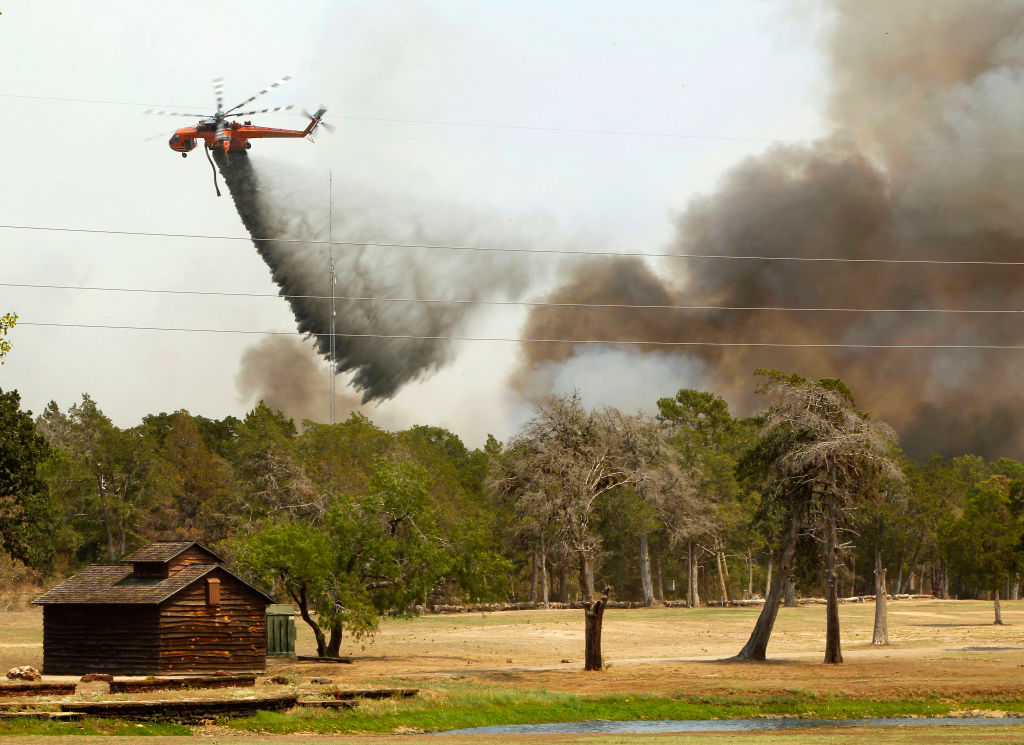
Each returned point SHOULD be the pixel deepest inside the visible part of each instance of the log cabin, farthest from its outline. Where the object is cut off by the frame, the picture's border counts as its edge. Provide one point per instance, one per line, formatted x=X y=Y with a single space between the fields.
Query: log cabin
x=170 y=607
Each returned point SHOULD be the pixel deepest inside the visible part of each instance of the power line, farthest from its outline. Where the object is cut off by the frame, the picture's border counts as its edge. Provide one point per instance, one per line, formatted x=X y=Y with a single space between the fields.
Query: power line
x=562 y=130
x=91 y=100
x=629 y=342
x=520 y=303
x=505 y=249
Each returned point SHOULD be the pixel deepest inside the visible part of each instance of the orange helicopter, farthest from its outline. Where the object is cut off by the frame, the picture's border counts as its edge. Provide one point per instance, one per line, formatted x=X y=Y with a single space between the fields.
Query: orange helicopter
x=219 y=131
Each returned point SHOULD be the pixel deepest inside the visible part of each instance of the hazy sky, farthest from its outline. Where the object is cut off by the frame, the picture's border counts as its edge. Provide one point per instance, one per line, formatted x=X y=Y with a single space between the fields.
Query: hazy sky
x=732 y=74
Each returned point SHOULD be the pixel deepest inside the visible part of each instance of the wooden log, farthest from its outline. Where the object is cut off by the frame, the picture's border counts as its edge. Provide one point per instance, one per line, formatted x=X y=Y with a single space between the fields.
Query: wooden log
x=191 y=681
x=185 y=711
x=37 y=688
x=329 y=703
x=58 y=716
x=348 y=694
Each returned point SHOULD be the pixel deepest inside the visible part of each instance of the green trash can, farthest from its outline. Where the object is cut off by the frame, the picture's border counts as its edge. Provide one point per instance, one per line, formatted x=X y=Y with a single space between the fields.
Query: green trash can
x=281 y=630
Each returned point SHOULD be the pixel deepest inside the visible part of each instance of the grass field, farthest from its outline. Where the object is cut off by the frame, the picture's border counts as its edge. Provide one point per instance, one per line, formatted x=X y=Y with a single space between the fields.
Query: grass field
x=476 y=669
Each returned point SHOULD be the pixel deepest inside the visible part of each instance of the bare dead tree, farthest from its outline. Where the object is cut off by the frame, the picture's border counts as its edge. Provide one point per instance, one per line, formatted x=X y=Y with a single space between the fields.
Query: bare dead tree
x=817 y=458
x=558 y=468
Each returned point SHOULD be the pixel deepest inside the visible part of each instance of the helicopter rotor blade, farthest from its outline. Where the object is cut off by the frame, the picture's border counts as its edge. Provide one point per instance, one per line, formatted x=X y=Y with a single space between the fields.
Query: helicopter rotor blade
x=253 y=97
x=218 y=92
x=164 y=112
x=274 y=110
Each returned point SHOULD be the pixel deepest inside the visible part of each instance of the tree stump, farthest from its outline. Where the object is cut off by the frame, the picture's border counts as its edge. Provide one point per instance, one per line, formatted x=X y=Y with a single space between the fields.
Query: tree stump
x=594 y=615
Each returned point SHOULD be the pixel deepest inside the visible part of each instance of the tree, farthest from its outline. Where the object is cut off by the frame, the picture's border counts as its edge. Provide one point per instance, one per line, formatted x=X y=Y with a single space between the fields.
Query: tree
x=25 y=514
x=101 y=476
x=983 y=545
x=562 y=463
x=198 y=485
x=380 y=552
x=270 y=471
x=7 y=322
x=709 y=442
x=815 y=460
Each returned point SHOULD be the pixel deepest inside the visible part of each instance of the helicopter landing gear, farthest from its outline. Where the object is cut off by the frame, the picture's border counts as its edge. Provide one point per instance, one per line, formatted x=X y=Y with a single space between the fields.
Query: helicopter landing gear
x=184 y=155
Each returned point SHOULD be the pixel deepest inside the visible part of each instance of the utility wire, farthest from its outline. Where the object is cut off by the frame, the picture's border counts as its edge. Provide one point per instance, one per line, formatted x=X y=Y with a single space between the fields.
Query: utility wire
x=563 y=130
x=503 y=249
x=630 y=342
x=521 y=303
x=92 y=100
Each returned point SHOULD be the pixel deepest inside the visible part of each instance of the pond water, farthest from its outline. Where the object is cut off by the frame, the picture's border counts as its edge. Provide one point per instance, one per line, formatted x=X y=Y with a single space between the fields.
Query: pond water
x=724 y=725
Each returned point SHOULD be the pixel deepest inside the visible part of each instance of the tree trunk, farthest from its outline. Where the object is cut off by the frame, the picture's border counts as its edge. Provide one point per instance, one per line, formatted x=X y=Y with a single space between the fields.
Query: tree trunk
x=768 y=576
x=586 y=577
x=659 y=586
x=911 y=565
x=111 y=549
x=646 y=582
x=719 y=561
x=899 y=573
x=334 y=644
x=535 y=576
x=881 y=634
x=303 y=603
x=594 y=617
x=1015 y=588
x=833 y=650
x=999 y=615
x=945 y=582
x=692 y=592
x=545 y=585
x=757 y=644
x=790 y=600
x=563 y=586
x=750 y=575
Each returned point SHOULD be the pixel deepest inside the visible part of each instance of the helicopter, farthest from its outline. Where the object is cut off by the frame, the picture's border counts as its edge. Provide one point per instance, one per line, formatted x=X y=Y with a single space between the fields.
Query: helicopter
x=222 y=131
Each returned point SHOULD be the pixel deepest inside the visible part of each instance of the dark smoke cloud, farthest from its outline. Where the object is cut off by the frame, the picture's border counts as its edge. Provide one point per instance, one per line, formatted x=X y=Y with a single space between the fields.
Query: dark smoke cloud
x=286 y=374
x=925 y=103
x=276 y=202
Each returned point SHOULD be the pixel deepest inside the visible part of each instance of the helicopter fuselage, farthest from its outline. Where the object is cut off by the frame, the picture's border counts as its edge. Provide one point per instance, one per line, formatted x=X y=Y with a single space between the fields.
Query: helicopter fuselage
x=231 y=136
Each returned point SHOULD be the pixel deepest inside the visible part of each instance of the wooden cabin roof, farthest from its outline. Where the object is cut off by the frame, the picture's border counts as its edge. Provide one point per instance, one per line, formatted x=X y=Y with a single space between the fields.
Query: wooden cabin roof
x=115 y=585
x=163 y=551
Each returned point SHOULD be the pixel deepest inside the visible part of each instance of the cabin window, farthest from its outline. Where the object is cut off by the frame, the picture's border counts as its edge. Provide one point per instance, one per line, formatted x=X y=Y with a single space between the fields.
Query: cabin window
x=213 y=592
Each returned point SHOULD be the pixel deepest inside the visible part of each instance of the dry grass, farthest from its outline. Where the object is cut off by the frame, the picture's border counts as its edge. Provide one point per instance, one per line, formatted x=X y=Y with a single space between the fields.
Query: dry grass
x=948 y=649
x=938 y=647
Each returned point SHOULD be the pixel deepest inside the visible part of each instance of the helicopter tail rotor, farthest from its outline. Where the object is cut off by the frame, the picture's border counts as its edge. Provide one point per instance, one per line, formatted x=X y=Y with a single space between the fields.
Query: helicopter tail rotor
x=316 y=120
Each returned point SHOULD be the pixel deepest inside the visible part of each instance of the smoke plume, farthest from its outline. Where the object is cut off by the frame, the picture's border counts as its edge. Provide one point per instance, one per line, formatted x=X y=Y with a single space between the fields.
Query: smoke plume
x=381 y=345
x=284 y=373
x=926 y=108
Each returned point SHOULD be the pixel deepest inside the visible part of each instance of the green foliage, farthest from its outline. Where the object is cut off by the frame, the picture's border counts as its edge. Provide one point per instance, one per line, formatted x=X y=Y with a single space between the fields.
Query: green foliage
x=379 y=552
x=25 y=512
x=7 y=322
x=983 y=544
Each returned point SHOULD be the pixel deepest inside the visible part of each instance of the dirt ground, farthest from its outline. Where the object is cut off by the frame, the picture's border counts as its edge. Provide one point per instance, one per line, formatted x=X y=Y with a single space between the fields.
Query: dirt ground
x=938 y=648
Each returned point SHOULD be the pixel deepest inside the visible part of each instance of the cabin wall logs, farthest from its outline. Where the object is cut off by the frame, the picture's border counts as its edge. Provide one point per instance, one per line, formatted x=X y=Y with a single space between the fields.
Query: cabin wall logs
x=197 y=636
x=117 y=639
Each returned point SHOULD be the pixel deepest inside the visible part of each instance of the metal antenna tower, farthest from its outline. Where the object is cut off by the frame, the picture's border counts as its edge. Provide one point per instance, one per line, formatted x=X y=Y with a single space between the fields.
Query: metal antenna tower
x=334 y=280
